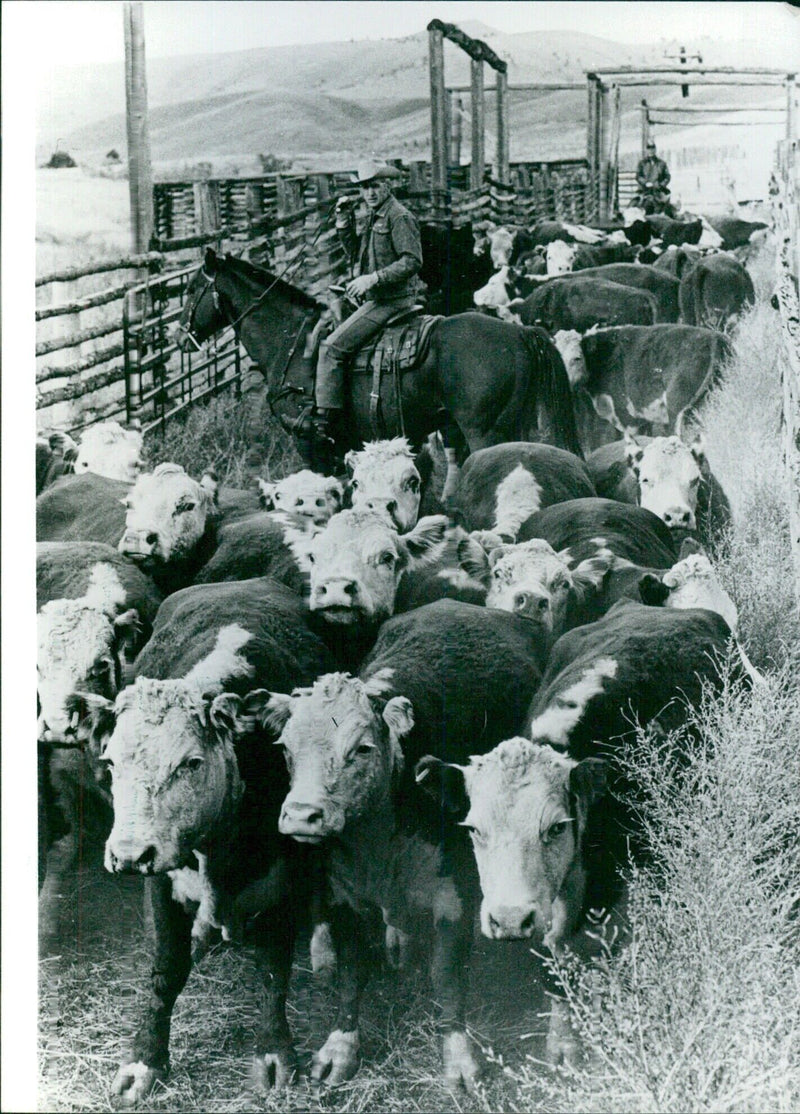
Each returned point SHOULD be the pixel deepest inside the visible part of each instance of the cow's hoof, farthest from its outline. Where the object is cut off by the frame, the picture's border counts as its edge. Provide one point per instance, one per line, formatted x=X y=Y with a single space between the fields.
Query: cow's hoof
x=323 y=953
x=561 y=1047
x=133 y=1082
x=398 y=947
x=463 y=1064
x=337 y=1060
x=274 y=1070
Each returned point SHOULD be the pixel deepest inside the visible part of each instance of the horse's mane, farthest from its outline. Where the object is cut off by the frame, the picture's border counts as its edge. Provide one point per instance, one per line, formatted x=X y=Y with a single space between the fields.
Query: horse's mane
x=262 y=277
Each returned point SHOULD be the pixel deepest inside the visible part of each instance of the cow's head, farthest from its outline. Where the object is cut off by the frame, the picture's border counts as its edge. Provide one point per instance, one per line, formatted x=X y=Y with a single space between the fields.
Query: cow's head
x=385 y=478
x=501 y=245
x=109 y=450
x=669 y=474
x=497 y=292
x=532 y=580
x=174 y=777
x=568 y=343
x=560 y=257
x=169 y=515
x=83 y=644
x=692 y=582
x=342 y=741
x=305 y=495
x=525 y=807
x=357 y=561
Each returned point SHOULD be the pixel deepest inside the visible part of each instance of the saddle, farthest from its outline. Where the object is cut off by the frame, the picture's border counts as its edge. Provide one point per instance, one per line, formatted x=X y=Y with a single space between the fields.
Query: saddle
x=401 y=346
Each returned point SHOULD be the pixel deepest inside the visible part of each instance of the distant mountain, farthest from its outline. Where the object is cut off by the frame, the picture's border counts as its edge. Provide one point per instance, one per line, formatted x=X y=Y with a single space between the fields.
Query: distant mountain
x=334 y=99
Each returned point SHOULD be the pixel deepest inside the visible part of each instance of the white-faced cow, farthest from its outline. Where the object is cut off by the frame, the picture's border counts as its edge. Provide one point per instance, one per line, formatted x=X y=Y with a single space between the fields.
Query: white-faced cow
x=95 y=612
x=715 y=291
x=501 y=486
x=563 y=258
x=643 y=378
x=544 y=847
x=196 y=787
x=440 y=680
x=385 y=477
x=109 y=450
x=669 y=478
x=303 y=495
x=577 y=302
x=531 y=580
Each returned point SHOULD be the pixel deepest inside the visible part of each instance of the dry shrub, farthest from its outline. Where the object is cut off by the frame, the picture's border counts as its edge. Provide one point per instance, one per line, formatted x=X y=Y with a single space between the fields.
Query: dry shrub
x=699 y=1012
x=236 y=436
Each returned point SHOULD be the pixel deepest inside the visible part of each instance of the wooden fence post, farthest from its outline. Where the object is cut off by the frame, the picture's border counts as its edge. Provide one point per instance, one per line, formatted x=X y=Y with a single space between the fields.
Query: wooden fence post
x=206 y=206
x=791 y=94
x=501 y=168
x=478 y=164
x=140 y=172
x=602 y=131
x=438 y=123
x=455 y=115
x=645 y=125
x=613 y=162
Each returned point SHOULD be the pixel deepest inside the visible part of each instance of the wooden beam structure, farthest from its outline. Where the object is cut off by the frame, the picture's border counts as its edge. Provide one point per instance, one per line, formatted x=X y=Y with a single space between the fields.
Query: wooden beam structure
x=502 y=169
x=140 y=171
x=478 y=162
x=791 y=106
x=438 y=109
x=526 y=87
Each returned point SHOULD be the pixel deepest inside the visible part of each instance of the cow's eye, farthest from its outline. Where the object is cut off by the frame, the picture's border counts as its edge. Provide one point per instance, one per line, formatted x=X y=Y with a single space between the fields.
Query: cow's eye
x=412 y=483
x=354 y=484
x=311 y=558
x=100 y=669
x=387 y=558
x=184 y=506
x=319 y=502
x=694 y=482
x=644 y=481
x=362 y=750
x=555 y=830
x=277 y=496
x=476 y=833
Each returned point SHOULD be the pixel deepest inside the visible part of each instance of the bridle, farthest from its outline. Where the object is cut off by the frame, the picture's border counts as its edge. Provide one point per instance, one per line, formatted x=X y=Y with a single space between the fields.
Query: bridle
x=210 y=283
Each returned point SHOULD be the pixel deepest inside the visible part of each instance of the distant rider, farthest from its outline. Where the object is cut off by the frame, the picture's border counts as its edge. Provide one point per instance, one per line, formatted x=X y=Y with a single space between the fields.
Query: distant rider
x=385 y=263
x=652 y=175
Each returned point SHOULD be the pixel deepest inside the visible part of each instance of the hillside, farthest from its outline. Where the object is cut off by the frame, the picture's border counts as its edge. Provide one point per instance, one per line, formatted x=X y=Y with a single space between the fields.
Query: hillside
x=335 y=99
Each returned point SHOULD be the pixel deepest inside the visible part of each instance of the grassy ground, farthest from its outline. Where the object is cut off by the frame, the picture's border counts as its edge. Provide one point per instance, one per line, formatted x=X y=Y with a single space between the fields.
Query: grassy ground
x=700 y=1013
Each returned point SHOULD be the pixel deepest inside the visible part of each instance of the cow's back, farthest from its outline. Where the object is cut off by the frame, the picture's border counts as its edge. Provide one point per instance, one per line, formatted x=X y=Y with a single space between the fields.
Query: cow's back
x=582 y=303
x=250 y=547
x=590 y=526
x=281 y=649
x=664 y=287
x=82 y=508
x=64 y=570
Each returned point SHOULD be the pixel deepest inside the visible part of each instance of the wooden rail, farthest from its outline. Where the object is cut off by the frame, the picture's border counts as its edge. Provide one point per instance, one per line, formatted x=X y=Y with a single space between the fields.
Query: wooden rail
x=786 y=209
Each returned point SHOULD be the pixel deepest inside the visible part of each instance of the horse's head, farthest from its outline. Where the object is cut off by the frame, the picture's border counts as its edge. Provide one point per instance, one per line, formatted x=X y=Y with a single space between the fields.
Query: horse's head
x=202 y=314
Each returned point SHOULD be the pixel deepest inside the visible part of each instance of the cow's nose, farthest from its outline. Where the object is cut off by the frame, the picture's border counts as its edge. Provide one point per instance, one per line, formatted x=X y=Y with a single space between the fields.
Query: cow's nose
x=511 y=923
x=138 y=543
x=347 y=587
x=530 y=604
x=130 y=857
x=679 y=518
x=302 y=819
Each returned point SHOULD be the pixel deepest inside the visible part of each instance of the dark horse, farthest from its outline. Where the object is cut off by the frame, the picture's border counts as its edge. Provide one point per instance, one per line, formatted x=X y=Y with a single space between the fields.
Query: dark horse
x=482 y=381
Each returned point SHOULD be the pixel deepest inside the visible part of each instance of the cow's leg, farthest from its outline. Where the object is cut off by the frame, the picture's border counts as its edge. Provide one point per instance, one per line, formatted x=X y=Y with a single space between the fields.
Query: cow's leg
x=450 y=977
x=323 y=953
x=276 y=1060
x=172 y=928
x=337 y=1060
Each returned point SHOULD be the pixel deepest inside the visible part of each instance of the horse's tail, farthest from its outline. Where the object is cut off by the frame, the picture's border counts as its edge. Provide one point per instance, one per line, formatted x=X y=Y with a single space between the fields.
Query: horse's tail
x=552 y=392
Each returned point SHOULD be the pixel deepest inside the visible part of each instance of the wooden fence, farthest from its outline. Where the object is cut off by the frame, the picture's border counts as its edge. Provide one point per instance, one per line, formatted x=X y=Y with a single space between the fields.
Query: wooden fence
x=102 y=348
x=786 y=209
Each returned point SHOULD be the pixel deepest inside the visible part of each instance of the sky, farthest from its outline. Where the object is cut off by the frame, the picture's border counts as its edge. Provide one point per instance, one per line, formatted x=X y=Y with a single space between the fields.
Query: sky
x=90 y=31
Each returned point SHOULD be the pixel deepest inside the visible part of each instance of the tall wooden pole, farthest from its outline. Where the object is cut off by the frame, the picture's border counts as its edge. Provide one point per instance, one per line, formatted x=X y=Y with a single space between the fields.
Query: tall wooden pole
x=602 y=131
x=478 y=131
x=791 y=96
x=502 y=171
x=438 y=113
x=455 y=120
x=645 y=122
x=140 y=171
x=613 y=162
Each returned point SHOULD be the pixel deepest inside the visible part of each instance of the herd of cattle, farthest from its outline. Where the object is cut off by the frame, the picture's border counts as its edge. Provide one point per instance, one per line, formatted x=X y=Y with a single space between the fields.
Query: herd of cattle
x=449 y=692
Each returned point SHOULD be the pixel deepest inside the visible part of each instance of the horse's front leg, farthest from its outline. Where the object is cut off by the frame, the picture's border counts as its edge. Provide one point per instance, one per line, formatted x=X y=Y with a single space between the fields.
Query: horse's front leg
x=171 y=928
x=337 y=1060
x=455 y=451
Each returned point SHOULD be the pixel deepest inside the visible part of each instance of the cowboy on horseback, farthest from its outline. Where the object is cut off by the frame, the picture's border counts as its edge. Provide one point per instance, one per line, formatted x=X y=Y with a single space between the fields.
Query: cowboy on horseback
x=385 y=260
x=652 y=177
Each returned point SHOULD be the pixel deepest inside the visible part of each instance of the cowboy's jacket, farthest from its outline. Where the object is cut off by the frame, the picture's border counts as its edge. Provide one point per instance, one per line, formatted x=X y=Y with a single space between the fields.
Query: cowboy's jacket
x=389 y=246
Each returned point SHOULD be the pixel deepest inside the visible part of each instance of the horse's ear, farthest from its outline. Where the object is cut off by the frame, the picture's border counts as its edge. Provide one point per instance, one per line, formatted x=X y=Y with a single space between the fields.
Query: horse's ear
x=210 y=261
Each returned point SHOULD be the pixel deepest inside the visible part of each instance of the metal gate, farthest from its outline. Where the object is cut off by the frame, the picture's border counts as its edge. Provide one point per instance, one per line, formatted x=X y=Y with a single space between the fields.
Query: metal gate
x=161 y=380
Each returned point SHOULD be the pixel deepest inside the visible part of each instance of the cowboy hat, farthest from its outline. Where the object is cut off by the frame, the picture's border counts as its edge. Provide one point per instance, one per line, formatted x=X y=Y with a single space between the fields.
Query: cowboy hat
x=369 y=171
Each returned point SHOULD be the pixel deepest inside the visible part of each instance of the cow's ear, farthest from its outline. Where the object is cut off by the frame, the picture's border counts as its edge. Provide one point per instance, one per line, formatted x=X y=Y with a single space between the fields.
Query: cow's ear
x=266 y=494
x=445 y=783
x=398 y=715
x=425 y=542
x=633 y=451
x=224 y=712
x=473 y=559
x=334 y=489
x=276 y=711
x=592 y=572
x=210 y=484
x=652 y=590
x=239 y=715
x=96 y=719
x=127 y=632
x=689 y=547
x=350 y=461
x=588 y=781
